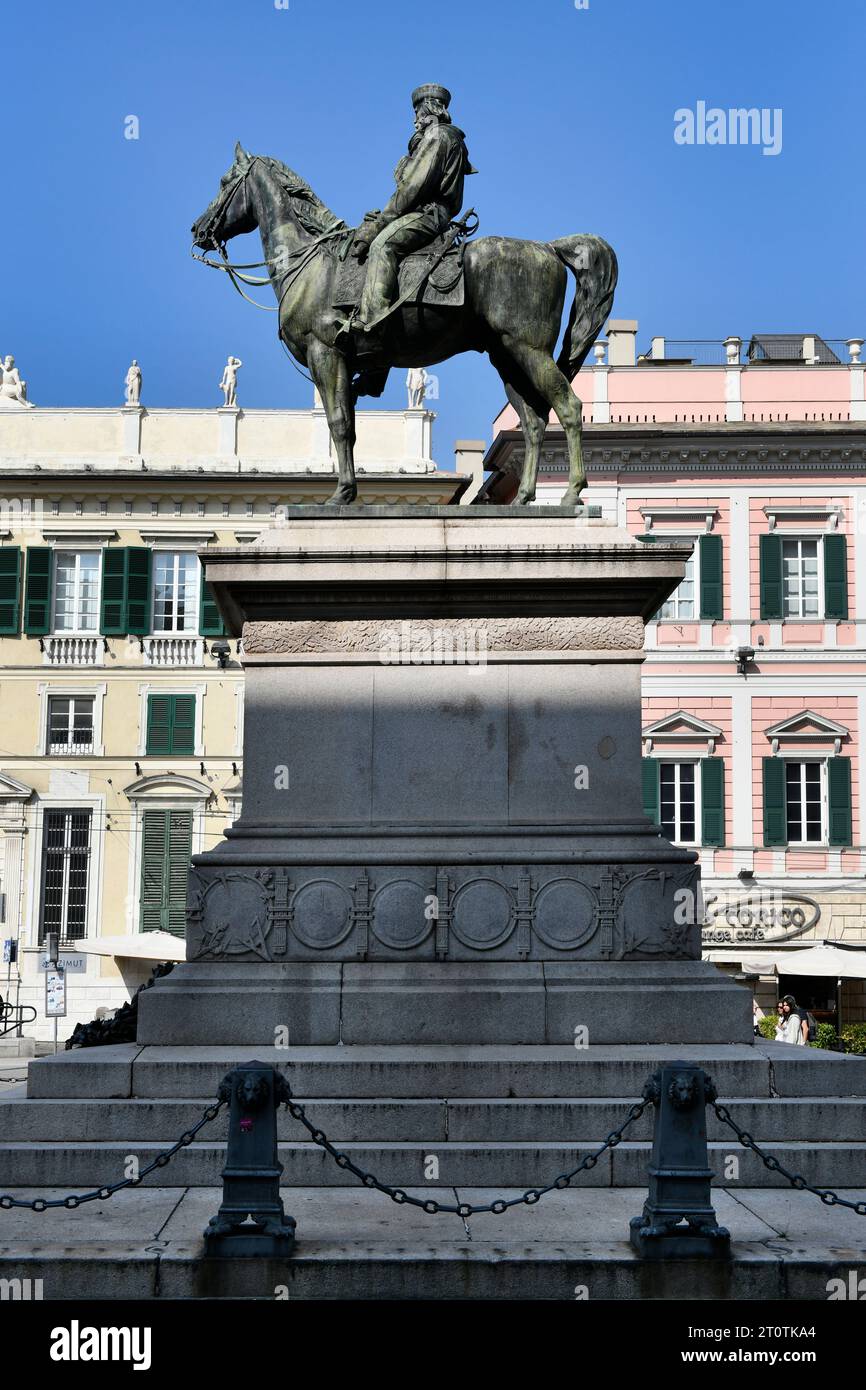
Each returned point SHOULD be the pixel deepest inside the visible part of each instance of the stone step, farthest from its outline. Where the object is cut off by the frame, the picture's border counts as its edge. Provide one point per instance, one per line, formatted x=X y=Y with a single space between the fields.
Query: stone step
x=356 y=1244
x=81 y=1166
x=434 y=1120
x=130 y=1070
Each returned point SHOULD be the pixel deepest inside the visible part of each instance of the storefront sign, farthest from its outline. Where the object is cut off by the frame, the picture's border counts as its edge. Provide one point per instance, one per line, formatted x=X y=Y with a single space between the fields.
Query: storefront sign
x=757 y=918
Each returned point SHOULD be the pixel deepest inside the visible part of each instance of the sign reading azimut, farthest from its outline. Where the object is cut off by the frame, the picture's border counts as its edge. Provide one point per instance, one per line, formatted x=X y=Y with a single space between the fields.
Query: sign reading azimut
x=760 y=916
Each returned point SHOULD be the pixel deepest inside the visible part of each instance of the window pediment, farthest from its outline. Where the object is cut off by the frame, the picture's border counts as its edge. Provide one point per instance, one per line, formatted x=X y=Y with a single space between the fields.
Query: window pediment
x=681 y=727
x=807 y=727
x=168 y=784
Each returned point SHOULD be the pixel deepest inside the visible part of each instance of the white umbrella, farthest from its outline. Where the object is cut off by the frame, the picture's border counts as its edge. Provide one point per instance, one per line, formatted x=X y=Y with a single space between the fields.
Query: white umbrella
x=824 y=959
x=146 y=945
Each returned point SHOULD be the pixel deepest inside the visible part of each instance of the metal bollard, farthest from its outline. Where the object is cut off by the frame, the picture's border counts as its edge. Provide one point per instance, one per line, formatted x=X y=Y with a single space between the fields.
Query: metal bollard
x=251 y=1220
x=678 y=1220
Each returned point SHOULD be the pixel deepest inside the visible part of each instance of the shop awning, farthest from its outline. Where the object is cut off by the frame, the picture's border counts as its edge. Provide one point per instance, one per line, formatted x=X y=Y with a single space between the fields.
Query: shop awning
x=146 y=945
x=826 y=959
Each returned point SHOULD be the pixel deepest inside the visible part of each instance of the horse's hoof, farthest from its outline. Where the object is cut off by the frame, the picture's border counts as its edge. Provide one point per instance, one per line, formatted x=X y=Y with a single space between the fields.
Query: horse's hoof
x=571 y=497
x=343 y=497
x=523 y=499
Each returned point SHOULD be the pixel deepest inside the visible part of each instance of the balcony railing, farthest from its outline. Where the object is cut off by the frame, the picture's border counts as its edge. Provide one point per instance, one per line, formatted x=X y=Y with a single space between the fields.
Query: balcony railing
x=70 y=750
x=72 y=651
x=173 y=649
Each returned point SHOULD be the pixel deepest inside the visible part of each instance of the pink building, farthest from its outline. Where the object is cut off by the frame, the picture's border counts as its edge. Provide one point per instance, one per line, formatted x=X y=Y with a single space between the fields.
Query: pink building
x=755 y=677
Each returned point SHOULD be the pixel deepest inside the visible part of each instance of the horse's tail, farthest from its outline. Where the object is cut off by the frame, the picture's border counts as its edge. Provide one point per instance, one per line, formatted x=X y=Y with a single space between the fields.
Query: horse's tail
x=593 y=264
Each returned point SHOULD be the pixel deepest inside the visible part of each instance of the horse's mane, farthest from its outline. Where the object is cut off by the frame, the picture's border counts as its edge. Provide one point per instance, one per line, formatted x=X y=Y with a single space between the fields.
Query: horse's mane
x=309 y=209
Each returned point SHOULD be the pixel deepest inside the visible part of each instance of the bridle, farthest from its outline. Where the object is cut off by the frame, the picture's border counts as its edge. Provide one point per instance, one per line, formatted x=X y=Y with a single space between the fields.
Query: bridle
x=304 y=254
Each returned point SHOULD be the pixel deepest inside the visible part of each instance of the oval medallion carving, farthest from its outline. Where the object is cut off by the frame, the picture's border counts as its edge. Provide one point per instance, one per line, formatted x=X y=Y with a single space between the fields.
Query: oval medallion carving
x=565 y=914
x=399 y=919
x=322 y=914
x=482 y=914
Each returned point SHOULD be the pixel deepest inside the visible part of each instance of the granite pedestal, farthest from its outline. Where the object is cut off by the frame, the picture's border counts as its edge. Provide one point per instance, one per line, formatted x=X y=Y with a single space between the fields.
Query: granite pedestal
x=442 y=837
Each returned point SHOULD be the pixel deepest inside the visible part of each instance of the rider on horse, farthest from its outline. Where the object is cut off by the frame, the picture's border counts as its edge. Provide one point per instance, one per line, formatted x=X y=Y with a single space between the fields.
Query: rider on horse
x=429 y=195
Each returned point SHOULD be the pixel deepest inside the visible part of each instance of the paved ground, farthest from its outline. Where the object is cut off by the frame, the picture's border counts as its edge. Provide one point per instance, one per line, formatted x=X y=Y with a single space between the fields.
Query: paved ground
x=358 y=1244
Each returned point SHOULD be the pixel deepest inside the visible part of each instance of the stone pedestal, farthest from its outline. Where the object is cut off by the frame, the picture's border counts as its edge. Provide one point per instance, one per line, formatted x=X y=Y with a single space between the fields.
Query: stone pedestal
x=442 y=837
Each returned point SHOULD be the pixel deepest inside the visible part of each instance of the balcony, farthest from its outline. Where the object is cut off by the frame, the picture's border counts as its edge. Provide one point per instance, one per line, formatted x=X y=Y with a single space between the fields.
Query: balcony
x=66 y=650
x=173 y=650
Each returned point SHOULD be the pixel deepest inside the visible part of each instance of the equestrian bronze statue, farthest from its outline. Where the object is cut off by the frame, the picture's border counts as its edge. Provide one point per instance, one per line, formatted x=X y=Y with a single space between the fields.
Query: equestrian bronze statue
x=408 y=289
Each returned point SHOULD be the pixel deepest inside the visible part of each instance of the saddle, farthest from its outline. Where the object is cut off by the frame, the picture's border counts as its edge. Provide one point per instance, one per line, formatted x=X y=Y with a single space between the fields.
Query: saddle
x=443 y=288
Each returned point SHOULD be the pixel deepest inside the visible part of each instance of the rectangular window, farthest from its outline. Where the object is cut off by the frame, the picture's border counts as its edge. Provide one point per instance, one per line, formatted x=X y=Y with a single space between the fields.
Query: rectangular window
x=681 y=604
x=76 y=591
x=175 y=591
x=65 y=859
x=804 y=803
x=800 y=579
x=677 y=802
x=170 y=724
x=70 y=724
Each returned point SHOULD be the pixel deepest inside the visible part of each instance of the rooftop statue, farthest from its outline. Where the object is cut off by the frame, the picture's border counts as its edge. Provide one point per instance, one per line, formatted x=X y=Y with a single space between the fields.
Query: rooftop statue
x=13 y=391
x=408 y=288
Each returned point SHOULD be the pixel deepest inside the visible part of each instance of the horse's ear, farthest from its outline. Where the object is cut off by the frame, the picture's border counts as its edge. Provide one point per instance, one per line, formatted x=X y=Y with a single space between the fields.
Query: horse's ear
x=241 y=155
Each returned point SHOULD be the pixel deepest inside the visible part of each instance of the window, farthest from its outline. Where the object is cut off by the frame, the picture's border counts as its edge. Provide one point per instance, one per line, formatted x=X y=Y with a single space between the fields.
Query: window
x=76 y=591
x=804 y=802
x=175 y=591
x=800 y=579
x=165 y=858
x=681 y=603
x=65 y=857
x=170 y=724
x=70 y=724
x=677 y=801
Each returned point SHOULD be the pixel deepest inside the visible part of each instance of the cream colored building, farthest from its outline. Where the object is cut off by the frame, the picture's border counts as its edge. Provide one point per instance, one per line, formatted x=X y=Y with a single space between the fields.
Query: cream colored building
x=121 y=702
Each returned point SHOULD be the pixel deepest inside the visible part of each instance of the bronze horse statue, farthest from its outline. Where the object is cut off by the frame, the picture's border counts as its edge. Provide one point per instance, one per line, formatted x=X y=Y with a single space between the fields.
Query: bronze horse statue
x=512 y=310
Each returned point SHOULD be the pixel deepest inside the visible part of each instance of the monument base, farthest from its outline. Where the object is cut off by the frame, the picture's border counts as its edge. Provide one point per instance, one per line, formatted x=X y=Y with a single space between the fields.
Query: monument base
x=582 y=1003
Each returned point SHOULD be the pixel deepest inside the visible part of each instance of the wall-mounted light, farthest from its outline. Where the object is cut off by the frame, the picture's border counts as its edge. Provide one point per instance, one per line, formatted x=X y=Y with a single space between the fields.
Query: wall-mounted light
x=744 y=658
x=221 y=650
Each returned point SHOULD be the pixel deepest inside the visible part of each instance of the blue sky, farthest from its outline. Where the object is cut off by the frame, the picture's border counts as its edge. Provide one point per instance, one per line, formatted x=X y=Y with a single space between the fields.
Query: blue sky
x=569 y=116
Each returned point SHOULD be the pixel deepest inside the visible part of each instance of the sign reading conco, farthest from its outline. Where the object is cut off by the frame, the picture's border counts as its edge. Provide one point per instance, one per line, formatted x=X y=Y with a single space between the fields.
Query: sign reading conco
x=758 y=917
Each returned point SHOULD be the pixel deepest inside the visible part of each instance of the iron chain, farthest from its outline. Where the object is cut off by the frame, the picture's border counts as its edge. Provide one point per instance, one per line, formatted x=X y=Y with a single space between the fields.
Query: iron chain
x=775 y=1165
x=501 y=1204
x=102 y=1194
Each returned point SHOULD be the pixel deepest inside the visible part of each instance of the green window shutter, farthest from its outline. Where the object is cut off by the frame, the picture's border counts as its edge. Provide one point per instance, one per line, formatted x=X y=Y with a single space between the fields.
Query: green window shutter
x=713 y=801
x=10 y=590
x=835 y=577
x=839 y=800
x=37 y=590
x=183 y=724
x=650 y=788
x=210 y=623
x=710 y=565
x=775 y=816
x=153 y=857
x=177 y=871
x=770 y=553
x=112 y=621
x=166 y=852
x=137 y=597
x=160 y=718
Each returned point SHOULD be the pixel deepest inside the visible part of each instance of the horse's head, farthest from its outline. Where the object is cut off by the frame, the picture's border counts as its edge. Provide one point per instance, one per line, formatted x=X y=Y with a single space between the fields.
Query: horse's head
x=230 y=213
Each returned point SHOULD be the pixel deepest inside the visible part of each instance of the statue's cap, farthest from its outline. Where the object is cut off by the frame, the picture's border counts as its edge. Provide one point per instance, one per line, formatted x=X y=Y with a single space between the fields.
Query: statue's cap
x=432 y=89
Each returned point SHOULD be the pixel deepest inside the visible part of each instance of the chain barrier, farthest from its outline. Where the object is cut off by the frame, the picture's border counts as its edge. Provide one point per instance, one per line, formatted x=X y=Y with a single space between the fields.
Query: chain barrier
x=501 y=1204
x=775 y=1165
x=103 y=1193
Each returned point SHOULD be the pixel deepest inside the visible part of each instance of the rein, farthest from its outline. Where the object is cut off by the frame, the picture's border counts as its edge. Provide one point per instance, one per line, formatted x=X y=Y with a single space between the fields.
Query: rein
x=304 y=254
